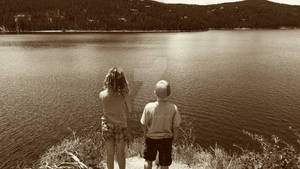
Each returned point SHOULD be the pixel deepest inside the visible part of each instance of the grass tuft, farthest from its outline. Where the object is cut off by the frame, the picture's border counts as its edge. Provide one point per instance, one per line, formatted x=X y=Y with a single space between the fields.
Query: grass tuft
x=76 y=151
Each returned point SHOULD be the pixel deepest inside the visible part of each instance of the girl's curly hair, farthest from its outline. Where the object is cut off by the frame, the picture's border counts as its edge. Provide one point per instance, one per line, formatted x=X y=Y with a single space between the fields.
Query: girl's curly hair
x=115 y=80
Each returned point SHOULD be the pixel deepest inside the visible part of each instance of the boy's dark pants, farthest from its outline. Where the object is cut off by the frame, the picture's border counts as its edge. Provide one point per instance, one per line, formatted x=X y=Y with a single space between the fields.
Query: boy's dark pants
x=163 y=146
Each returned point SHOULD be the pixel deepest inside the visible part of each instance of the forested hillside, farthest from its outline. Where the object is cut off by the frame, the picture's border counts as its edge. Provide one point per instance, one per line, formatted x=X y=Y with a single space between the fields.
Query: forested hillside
x=142 y=15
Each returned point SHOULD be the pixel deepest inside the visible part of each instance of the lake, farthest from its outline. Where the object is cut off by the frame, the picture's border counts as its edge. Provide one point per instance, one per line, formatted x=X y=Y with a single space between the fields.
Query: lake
x=224 y=81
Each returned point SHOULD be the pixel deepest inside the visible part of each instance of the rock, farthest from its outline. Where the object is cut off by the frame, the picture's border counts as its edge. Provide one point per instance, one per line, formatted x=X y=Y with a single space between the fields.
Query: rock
x=138 y=163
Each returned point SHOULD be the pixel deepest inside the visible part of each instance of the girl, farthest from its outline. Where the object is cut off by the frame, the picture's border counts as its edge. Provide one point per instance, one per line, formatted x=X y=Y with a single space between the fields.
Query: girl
x=116 y=104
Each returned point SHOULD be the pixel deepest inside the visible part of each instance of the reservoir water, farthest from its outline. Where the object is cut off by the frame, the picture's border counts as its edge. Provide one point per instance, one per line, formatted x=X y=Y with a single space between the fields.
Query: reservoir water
x=225 y=81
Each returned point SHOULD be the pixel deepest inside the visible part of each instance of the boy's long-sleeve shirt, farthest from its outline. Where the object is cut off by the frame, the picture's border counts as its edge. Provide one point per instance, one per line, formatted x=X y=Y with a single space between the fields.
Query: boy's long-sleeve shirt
x=160 y=119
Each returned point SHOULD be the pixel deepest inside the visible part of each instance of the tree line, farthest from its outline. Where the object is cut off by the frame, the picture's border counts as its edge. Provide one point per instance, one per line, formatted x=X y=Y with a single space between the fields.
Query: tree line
x=143 y=15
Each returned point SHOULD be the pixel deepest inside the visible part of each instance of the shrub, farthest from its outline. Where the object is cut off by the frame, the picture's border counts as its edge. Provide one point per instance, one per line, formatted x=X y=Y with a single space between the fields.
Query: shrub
x=81 y=152
x=275 y=154
x=188 y=152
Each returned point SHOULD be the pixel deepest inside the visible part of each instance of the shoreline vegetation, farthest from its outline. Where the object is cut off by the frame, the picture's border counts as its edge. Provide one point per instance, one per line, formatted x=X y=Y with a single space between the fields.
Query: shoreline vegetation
x=142 y=16
x=88 y=152
x=138 y=31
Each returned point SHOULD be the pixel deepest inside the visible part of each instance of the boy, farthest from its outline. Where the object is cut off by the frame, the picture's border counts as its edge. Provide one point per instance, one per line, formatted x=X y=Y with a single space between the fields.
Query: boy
x=161 y=121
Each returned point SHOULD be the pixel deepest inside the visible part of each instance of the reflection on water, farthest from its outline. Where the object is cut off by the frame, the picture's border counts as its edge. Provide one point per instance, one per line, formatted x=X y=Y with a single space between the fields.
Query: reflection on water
x=226 y=81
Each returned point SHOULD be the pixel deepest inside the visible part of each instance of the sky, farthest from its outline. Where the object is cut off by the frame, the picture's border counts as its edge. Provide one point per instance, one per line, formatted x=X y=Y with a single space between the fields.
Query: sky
x=207 y=2
x=290 y=2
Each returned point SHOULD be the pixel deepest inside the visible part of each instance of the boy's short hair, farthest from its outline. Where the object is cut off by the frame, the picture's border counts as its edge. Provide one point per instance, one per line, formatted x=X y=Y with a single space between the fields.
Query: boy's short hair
x=162 y=89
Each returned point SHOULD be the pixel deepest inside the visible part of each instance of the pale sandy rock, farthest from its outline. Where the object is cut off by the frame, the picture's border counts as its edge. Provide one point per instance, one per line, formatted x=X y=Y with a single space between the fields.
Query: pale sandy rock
x=138 y=163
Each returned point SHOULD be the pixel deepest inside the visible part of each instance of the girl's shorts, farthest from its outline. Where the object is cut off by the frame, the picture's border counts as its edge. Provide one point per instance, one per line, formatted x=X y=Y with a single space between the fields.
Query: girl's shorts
x=114 y=132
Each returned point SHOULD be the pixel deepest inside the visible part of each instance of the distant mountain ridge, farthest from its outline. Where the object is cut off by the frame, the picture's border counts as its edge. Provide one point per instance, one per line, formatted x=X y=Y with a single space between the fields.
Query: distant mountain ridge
x=143 y=15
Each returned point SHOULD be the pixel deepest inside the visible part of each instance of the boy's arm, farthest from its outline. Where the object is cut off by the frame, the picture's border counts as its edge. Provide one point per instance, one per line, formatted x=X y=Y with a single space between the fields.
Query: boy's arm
x=145 y=129
x=175 y=134
x=100 y=95
x=176 y=124
x=144 y=121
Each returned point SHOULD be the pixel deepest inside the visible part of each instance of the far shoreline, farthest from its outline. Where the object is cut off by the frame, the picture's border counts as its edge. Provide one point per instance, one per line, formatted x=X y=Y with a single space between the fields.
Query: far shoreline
x=98 y=31
x=141 y=31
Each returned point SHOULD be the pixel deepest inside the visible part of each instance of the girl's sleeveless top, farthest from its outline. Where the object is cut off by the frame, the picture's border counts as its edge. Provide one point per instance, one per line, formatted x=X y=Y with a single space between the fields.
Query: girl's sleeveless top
x=114 y=108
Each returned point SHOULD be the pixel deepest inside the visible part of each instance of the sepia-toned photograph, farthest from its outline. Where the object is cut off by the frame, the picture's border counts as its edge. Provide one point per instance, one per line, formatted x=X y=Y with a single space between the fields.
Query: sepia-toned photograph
x=149 y=84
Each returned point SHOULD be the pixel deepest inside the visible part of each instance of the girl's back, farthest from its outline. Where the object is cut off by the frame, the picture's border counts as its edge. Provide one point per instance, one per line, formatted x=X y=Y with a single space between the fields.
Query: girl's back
x=114 y=107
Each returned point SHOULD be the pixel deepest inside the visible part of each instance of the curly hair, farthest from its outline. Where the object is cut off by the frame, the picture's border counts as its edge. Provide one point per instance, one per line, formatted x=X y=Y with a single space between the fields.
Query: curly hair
x=115 y=80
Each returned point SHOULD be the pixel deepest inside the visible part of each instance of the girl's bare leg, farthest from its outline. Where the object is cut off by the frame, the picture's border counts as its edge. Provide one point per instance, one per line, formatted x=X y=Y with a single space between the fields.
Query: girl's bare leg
x=110 y=149
x=121 y=154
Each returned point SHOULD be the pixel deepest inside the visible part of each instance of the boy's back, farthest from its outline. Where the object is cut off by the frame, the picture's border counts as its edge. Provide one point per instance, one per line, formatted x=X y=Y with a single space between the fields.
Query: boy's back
x=160 y=118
